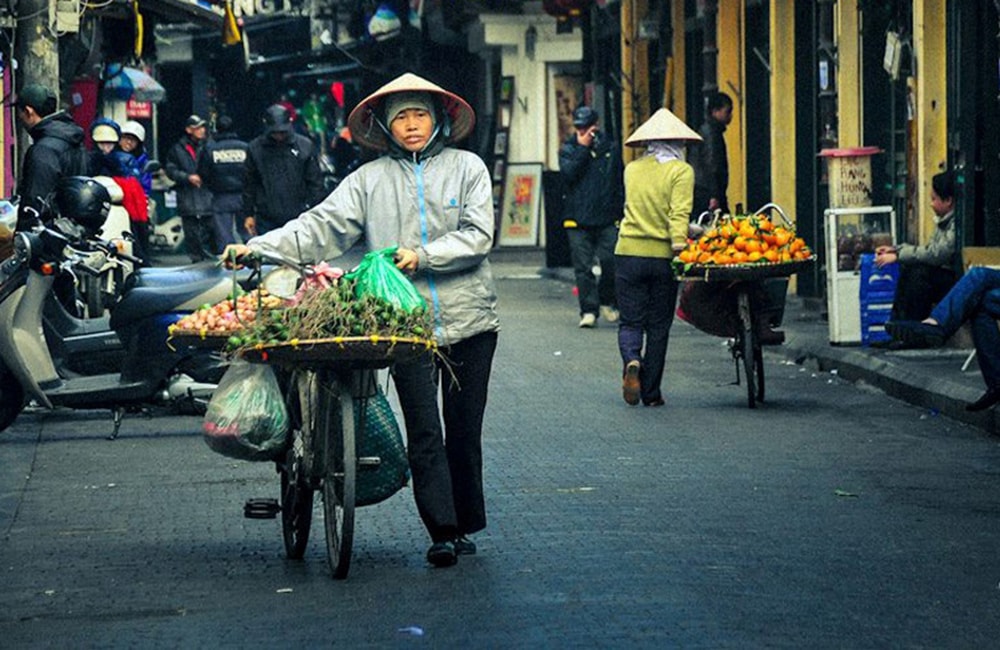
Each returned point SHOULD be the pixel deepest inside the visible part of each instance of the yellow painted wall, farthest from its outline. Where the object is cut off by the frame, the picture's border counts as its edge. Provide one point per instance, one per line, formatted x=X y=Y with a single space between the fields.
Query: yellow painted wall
x=849 y=115
x=929 y=39
x=782 y=92
x=730 y=39
x=634 y=52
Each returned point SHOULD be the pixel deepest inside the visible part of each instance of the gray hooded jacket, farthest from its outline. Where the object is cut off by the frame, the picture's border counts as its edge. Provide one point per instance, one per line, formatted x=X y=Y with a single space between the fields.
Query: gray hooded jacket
x=440 y=206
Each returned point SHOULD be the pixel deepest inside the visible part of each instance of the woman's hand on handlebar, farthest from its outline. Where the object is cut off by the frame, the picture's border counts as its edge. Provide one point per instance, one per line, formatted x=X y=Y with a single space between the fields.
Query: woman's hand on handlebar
x=234 y=255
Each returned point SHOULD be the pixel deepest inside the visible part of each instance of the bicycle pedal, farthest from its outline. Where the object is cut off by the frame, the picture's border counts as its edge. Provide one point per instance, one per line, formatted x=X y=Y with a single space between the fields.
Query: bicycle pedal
x=261 y=508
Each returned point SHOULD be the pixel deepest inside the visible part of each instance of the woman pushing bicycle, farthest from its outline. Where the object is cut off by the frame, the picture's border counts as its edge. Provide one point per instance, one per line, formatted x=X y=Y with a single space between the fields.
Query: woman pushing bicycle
x=434 y=203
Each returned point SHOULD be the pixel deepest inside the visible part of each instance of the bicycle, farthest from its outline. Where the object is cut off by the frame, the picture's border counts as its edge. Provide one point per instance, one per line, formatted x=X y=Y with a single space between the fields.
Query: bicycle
x=327 y=384
x=741 y=292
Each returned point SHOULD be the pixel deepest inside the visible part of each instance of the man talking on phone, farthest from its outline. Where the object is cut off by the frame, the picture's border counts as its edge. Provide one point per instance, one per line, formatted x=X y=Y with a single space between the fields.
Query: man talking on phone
x=591 y=169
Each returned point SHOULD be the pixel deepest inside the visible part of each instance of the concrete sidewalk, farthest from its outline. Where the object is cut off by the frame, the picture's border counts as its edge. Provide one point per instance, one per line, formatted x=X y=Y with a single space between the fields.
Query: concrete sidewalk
x=933 y=378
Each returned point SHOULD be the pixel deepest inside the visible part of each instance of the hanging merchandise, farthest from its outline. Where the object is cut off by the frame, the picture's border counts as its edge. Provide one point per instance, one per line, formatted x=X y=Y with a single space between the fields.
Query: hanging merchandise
x=139 y=30
x=384 y=24
x=231 y=32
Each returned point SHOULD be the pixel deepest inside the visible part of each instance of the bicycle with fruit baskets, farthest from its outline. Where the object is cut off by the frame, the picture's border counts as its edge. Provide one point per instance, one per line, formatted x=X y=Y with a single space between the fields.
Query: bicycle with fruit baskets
x=327 y=382
x=744 y=278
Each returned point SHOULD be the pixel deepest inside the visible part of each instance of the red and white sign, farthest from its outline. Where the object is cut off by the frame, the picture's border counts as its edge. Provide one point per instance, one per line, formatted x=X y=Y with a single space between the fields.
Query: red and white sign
x=138 y=110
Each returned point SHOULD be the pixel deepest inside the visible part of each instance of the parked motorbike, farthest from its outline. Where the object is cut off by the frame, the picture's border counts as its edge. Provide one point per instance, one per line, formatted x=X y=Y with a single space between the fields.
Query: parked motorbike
x=150 y=373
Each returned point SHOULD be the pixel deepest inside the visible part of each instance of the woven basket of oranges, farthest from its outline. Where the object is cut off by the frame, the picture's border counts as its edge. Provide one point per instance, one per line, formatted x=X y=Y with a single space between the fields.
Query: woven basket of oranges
x=743 y=247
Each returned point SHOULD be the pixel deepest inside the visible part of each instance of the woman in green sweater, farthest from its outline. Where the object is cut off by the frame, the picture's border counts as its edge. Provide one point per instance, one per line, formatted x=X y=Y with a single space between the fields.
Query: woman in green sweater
x=659 y=191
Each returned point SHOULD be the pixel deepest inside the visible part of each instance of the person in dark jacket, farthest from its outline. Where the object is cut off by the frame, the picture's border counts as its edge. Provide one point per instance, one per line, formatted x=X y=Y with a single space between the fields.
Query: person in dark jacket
x=591 y=168
x=56 y=151
x=221 y=168
x=283 y=177
x=709 y=157
x=194 y=201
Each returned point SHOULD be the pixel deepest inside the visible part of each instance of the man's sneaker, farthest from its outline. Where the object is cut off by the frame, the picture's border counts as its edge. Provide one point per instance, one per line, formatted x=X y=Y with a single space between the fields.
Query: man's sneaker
x=588 y=320
x=630 y=383
x=464 y=546
x=442 y=554
x=609 y=314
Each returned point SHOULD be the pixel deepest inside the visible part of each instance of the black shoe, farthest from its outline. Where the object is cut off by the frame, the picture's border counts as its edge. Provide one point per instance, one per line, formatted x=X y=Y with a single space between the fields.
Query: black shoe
x=442 y=554
x=990 y=398
x=464 y=546
x=916 y=334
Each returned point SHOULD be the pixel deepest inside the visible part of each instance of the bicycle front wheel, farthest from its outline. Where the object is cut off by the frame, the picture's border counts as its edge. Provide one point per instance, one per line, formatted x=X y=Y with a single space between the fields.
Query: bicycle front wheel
x=341 y=474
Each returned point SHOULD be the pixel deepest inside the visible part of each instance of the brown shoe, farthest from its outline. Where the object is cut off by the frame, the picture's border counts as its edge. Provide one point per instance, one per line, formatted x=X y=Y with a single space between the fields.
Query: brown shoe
x=630 y=384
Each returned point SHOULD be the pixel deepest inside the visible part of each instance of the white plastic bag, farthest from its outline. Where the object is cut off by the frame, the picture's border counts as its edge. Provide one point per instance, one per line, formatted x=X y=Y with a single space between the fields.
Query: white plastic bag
x=247 y=418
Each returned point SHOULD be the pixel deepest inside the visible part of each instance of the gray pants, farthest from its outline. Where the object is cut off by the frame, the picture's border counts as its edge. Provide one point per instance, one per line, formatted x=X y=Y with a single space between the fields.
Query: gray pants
x=585 y=245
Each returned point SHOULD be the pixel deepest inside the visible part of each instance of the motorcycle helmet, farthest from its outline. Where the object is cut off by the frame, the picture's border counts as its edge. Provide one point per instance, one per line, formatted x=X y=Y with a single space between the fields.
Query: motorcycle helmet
x=135 y=129
x=277 y=119
x=84 y=201
x=105 y=130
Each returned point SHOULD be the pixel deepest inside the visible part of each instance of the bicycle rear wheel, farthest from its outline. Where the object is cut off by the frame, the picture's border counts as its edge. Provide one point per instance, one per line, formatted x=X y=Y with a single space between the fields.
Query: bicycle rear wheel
x=749 y=349
x=758 y=359
x=341 y=474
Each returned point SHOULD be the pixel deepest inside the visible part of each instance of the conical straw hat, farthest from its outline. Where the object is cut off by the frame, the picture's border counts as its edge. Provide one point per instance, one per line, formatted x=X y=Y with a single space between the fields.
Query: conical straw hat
x=663 y=125
x=367 y=133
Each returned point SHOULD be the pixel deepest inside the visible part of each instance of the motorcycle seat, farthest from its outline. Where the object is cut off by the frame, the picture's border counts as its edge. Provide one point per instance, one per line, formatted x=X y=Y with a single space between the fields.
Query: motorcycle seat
x=161 y=292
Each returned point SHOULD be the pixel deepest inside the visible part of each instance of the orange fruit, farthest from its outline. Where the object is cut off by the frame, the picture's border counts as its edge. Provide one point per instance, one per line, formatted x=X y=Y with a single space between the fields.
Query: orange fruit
x=771 y=255
x=754 y=256
x=740 y=257
x=704 y=257
x=752 y=246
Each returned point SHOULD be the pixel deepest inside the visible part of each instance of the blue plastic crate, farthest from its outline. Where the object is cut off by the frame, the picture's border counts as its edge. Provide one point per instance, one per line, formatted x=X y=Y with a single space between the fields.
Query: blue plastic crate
x=876 y=281
x=874 y=333
x=875 y=316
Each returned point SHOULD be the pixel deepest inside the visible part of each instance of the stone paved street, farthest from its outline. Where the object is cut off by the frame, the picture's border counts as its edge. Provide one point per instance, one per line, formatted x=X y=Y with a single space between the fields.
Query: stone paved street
x=832 y=516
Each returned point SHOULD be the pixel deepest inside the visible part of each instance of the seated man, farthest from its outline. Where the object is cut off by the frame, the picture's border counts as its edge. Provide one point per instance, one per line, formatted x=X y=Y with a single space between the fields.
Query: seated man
x=976 y=298
x=927 y=272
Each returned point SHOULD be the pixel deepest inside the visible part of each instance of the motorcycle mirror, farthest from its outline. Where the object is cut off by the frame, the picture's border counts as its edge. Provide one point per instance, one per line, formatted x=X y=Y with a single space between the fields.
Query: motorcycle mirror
x=281 y=282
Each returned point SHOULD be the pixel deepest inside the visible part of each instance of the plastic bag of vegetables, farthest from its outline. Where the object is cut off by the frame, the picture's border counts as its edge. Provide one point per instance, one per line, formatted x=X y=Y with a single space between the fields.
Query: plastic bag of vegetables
x=246 y=417
x=378 y=276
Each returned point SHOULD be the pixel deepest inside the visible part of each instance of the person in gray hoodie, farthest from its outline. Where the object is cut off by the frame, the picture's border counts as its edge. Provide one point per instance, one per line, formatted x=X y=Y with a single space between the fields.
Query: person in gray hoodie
x=435 y=203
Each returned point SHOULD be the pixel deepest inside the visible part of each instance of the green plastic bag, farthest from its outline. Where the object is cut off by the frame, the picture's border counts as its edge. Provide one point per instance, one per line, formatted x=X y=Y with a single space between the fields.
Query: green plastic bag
x=378 y=276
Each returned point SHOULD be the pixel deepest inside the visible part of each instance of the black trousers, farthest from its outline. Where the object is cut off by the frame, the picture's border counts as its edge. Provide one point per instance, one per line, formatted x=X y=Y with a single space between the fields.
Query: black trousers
x=199 y=237
x=919 y=288
x=447 y=469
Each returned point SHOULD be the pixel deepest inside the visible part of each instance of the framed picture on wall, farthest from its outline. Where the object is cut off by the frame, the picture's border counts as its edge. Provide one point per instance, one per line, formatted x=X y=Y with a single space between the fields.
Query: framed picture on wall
x=504 y=116
x=522 y=200
x=506 y=90
x=500 y=143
